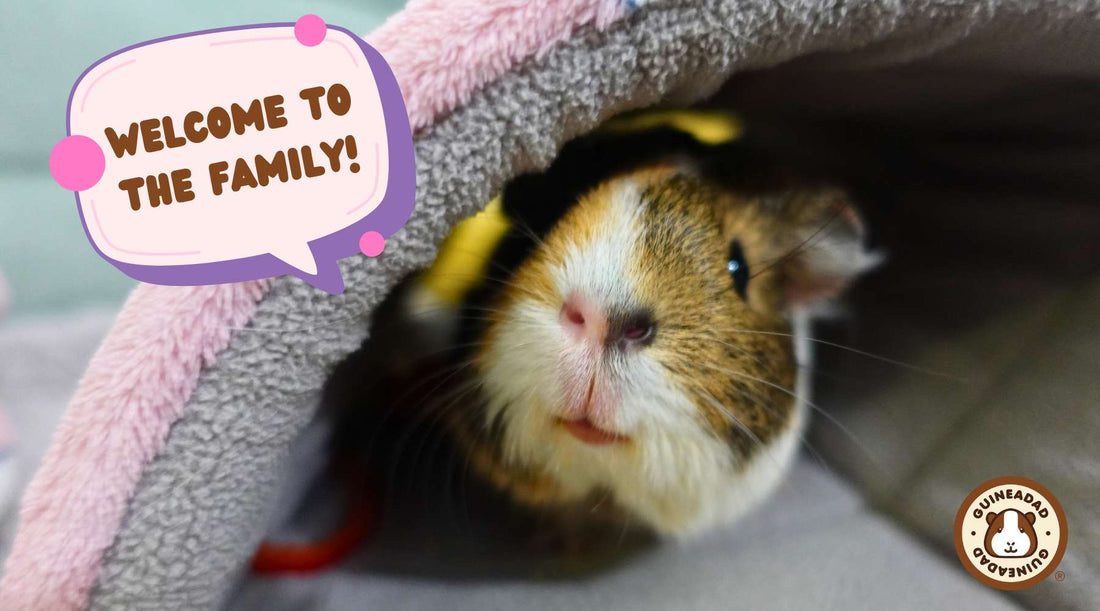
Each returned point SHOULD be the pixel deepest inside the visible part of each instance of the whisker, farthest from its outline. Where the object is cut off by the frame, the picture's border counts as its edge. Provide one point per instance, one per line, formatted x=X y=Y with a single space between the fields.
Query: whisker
x=440 y=412
x=450 y=475
x=423 y=414
x=840 y=426
x=870 y=355
x=742 y=427
x=508 y=272
x=759 y=400
x=806 y=243
x=399 y=404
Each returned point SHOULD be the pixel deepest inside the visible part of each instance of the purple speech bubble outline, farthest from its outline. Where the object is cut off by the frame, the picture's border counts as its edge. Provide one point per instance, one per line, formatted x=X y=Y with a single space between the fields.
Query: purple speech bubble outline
x=389 y=216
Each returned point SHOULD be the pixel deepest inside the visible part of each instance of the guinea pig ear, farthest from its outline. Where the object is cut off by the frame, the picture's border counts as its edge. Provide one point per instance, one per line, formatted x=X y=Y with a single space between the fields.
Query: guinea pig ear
x=990 y=517
x=828 y=250
x=1030 y=517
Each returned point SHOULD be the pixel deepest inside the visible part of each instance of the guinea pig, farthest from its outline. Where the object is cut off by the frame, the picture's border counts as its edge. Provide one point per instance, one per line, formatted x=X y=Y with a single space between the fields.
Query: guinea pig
x=637 y=341
x=1010 y=534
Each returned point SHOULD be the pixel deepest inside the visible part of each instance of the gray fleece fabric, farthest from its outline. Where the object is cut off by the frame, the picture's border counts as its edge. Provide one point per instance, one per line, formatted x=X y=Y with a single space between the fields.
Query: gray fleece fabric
x=202 y=504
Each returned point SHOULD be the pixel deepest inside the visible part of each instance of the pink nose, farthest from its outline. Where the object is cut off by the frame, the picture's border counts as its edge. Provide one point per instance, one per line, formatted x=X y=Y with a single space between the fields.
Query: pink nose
x=588 y=323
x=583 y=320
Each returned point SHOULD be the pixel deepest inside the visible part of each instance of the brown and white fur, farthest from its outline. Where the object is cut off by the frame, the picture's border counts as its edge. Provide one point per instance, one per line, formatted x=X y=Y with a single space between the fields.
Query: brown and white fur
x=618 y=361
x=703 y=423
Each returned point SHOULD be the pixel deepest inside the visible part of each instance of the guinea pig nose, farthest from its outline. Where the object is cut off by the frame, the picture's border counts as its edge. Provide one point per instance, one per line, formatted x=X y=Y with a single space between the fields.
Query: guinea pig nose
x=582 y=319
x=573 y=315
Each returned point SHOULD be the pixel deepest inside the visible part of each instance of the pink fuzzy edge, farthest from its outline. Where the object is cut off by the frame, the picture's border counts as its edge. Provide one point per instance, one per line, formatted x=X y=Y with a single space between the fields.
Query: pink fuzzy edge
x=140 y=379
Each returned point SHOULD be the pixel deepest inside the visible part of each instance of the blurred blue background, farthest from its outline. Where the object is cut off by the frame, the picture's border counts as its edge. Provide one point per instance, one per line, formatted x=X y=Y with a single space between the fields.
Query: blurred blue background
x=45 y=46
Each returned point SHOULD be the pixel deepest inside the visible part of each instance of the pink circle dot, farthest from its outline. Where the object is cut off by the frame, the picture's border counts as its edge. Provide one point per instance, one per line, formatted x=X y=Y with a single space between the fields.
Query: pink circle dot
x=372 y=243
x=309 y=30
x=77 y=163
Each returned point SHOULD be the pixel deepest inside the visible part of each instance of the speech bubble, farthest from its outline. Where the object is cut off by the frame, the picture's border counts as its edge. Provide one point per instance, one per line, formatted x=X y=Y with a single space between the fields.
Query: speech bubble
x=239 y=153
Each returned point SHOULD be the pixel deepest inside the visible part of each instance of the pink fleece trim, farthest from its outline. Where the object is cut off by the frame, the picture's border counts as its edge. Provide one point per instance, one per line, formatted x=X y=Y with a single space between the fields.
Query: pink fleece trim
x=492 y=36
x=136 y=385
x=140 y=379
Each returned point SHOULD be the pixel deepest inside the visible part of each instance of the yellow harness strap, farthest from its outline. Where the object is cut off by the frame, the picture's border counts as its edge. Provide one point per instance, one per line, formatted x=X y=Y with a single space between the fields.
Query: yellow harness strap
x=465 y=252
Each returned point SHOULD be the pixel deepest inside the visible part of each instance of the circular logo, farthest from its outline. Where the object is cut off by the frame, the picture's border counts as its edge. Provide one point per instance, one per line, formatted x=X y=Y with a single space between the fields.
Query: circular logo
x=1010 y=533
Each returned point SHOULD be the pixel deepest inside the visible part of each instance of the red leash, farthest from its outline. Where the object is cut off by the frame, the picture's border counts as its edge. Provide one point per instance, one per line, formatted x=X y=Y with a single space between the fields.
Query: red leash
x=298 y=558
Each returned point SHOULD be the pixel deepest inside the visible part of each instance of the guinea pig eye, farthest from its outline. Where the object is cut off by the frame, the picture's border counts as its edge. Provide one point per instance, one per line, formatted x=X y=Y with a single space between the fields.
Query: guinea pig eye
x=1021 y=531
x=738 y=268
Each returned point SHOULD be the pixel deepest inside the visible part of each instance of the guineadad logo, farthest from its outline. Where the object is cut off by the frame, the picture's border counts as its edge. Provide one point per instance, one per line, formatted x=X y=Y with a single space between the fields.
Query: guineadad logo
x=1010 y=533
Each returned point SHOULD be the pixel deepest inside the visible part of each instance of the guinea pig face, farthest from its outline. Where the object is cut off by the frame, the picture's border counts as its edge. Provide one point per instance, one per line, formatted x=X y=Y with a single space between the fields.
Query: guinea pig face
x=632 y=341
x=1010 y=534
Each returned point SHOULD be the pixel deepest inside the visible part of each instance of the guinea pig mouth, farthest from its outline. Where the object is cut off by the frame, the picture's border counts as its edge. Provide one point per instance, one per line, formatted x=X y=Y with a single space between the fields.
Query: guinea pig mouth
x=589 y=433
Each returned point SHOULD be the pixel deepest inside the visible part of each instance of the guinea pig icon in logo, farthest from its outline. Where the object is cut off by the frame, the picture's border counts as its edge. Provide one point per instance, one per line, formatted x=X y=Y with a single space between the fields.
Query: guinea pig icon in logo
x=1010 y=533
